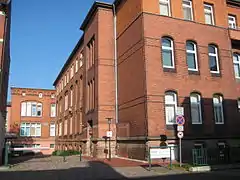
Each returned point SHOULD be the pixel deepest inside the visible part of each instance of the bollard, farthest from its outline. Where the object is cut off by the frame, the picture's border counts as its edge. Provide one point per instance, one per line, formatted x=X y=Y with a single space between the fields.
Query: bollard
x=64 y=158
x=80 y=154
x=6 y=154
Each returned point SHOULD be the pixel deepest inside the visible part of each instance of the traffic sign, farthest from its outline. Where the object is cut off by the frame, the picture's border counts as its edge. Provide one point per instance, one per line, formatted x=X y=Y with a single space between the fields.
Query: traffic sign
x=180 y=120
x=180 y=111
x=109 y=134
x=180 y=128
x=180 y=135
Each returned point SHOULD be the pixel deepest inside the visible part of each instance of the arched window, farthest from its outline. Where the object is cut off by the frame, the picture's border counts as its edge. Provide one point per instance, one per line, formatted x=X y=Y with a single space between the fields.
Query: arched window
x=167 y=53
x=236 y=64
x=218 y=109
x=196 y=110
x=33 y=109
x=213 y=59
x=170 y=107
x=191 y=49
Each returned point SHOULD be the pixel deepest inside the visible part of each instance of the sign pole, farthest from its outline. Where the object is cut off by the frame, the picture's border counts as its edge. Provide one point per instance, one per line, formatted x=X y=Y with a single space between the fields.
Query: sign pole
x=180 y=151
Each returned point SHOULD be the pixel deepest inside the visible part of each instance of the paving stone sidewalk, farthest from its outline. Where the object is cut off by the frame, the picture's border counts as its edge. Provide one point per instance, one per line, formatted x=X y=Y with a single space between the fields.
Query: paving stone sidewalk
x=54 y=168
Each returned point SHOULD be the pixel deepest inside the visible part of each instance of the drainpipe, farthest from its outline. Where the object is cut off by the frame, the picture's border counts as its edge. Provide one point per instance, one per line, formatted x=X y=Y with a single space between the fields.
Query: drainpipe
x=115 y=62
x=115 y=71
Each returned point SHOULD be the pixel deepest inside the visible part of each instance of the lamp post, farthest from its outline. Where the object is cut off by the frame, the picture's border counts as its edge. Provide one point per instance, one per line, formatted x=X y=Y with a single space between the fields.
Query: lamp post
x=109 y=121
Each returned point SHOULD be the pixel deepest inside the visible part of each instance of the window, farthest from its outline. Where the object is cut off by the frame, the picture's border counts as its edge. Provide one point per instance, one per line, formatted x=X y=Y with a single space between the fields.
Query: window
x=213 y=59
x=65 y=127
x=71 y=125
x=65 y=80
x=31 y=109
x=71 y=97
x=196 y=112
x=198 y=146
x=236 y=64
x=165 y=7
x=81 y=60
x=53 y=110
x=52 y=129
x=53 y=96
x=60 y=129
x=218 y=109
x=52 y=146
x=66 y=102
x=167 y=53
x=71 y=72
x=91 y=52
x=76 y=67
x=57 y=130
x=40 y=95
x=170 y=107
x=187 y=10
x=192 y=56
x=232 y=22
x=238 y=104
x=208 y=11
x=30 y=129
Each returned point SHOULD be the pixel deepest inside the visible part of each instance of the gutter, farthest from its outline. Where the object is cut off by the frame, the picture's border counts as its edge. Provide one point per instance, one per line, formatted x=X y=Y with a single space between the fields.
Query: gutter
x=115 y=62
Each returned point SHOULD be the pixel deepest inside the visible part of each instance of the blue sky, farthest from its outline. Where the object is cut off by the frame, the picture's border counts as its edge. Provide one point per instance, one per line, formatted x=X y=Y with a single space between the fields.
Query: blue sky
x=43 y=34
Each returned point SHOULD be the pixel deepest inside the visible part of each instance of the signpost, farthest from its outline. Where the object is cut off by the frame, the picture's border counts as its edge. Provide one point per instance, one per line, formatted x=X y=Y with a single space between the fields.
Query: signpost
x=160 y=153
x=180 y=120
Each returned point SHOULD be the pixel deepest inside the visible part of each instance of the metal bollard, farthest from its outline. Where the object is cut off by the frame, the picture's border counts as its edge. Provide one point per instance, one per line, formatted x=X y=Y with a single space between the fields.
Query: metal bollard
x=64 y=158
x=6 y=154
x=80 y=154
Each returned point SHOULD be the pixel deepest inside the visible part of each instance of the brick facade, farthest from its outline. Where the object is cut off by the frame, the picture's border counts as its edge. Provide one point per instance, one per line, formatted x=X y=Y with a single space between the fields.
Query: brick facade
x=143 y=81
x=37 y=110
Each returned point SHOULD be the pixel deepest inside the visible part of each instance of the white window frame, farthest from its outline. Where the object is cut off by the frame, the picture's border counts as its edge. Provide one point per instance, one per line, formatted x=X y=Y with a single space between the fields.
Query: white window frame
x=161 y=2
x=220 y=98
x=195 y=55
x=71 y=97
x=216 y=56
x=76 y=66
x=236 y=63
x=66 y=102
x=207 y=11
x=52 y=130
x=199 y=104
x=232 y=24
x=30 y=125
x=172 y=50
x=53 y=110
x=188 y=6
x=28 y=108
x=60 y=128
x=238 y=104
x=173 y=103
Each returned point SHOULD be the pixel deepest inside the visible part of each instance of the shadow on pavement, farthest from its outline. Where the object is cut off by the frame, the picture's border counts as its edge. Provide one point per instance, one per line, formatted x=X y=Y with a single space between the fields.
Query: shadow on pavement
x=94 y=170
x=23 y=158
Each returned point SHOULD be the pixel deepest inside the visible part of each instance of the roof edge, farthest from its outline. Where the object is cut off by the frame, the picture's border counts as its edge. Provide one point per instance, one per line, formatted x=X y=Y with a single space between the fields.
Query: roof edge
x=92 y=10
x=25 y=88
x=79 y=43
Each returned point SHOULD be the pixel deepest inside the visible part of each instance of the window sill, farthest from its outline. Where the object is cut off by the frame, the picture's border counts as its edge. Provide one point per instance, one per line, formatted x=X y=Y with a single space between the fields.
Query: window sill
x=193 y=72
x=219 y=123
x=213 y=74
x=168 y=69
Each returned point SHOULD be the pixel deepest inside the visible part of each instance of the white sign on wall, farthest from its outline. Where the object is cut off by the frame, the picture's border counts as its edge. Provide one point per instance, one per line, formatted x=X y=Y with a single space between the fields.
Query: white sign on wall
x=158 y=153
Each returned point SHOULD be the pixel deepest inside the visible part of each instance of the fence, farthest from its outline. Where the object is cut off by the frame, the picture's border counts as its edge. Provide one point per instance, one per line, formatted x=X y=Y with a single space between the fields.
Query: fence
x=213 y=156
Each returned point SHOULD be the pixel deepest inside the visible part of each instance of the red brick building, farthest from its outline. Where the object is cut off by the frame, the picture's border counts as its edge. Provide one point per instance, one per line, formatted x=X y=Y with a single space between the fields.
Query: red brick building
x=33 y=113
x=5 y=23
x=169 y=53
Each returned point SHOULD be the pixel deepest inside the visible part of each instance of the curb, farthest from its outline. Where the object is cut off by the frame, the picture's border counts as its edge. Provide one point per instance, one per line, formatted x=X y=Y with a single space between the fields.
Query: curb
x=213 y=168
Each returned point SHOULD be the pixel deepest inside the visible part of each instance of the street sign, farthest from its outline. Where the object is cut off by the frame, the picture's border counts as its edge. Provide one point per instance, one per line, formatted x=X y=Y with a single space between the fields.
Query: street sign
x=180 y=135
x=180 y=111
x=180 y=128
x=109 y=134
x=158 y=153
x=180 y=120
